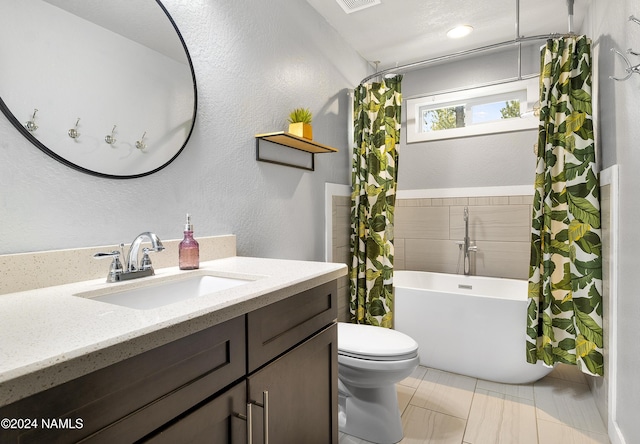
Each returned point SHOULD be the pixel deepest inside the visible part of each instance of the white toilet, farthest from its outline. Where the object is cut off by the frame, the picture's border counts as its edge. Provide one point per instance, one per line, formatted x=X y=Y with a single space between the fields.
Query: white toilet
x=371 y=360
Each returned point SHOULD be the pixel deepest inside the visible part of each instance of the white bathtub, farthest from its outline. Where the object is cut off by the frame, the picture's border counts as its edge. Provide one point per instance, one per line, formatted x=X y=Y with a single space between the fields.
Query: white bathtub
x=469 y=325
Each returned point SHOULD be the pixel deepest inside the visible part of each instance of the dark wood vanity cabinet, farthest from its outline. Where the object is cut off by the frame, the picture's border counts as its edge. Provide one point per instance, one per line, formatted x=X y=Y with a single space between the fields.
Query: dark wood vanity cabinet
x=292 y=355
x=196 y=389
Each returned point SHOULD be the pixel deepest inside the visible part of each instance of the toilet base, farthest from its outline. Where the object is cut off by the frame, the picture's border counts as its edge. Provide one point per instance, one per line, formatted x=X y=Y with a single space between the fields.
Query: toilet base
x=371 y=414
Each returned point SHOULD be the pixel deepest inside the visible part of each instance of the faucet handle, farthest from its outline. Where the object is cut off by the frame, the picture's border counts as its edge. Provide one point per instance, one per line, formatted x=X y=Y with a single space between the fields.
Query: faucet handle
x=145 y=262
x=115 y=269
x=114 y=253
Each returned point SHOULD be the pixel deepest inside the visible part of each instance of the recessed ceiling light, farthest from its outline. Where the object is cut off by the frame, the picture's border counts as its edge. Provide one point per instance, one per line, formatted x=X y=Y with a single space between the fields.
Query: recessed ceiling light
x=459 y=31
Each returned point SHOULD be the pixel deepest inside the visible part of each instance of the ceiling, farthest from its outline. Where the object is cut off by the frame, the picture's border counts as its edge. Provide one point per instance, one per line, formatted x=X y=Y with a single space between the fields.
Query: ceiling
x=397 y=32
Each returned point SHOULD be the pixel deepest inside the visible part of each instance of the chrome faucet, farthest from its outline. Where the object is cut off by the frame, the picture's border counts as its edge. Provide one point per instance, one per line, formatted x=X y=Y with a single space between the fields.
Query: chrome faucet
x=132 y=269
x=465 y=245
x=132 y=258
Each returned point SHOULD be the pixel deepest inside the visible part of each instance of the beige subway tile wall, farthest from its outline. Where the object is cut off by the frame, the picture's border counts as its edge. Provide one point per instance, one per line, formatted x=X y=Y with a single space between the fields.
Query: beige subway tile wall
x=427 y=233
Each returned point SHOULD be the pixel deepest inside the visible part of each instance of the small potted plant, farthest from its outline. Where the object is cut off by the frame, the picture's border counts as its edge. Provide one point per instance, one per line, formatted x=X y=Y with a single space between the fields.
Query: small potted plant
x=300 y=123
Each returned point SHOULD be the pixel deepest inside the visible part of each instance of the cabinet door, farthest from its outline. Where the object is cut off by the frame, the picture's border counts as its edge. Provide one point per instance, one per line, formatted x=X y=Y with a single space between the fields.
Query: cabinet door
x=303 y=393
x=214 y=422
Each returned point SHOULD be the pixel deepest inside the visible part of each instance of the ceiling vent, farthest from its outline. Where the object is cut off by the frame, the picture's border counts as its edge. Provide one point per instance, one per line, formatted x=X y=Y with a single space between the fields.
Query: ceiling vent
x=350 y=6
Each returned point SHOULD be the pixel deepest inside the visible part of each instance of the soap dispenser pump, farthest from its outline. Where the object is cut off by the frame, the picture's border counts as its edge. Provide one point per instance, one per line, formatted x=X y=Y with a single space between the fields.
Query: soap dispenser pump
x=189 y=250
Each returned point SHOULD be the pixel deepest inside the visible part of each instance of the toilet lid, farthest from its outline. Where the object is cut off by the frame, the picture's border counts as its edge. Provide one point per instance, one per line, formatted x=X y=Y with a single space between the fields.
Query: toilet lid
x=374 y=343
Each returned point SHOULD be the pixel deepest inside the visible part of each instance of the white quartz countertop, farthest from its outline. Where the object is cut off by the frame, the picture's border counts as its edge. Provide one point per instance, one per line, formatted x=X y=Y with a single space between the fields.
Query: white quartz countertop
x=50 y=336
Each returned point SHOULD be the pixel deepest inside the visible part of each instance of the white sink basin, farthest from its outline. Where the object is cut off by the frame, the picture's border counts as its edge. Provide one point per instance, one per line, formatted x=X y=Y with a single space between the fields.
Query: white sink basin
x=158 y=294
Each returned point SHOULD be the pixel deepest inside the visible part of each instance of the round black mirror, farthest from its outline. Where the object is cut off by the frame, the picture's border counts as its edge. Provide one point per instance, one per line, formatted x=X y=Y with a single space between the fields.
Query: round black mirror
x=105 y=87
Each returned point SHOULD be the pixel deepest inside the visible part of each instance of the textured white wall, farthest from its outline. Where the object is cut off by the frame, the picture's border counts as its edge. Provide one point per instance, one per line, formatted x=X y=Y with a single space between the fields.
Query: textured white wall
x=479 y=161
x=254 y=62
x=619 y=133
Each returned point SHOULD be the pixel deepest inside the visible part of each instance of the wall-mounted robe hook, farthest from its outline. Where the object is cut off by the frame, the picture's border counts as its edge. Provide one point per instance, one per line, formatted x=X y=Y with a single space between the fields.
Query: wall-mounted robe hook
x=73 y=132
x=30 y=125
x=110 y=138
x=630 y=69
x=140 y=143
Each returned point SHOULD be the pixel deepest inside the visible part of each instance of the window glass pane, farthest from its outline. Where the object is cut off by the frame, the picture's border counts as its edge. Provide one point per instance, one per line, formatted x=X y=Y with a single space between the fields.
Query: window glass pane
x=490 y=112
x=436 y=119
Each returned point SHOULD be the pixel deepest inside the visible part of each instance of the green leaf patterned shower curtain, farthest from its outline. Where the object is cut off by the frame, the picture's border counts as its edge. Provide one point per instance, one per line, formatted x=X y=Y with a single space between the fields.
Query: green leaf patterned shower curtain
x=374 y=175
x=565 y=277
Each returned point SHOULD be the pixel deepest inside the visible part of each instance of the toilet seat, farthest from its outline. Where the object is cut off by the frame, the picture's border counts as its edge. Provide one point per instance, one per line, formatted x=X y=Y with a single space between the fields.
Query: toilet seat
x=374 y=343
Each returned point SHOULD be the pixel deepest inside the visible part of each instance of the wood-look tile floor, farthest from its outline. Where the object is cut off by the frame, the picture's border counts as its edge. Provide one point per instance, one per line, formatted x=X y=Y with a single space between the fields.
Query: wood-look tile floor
x=444 y=408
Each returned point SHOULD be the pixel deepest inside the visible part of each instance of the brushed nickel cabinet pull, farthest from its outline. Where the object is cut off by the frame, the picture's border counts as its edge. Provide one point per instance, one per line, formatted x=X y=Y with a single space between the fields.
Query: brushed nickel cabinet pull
x=265 y=415
x=265 y=418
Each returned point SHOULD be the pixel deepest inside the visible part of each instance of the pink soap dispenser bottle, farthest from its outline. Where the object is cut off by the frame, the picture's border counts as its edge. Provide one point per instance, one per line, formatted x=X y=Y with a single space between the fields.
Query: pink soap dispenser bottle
x=189 y=250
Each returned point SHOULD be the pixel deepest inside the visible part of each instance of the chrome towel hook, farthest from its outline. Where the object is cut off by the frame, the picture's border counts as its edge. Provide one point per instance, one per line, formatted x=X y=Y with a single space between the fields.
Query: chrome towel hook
x=140 y=143
x=630 y=69
x=110 y=138
x=31 y=124
x=73 y=132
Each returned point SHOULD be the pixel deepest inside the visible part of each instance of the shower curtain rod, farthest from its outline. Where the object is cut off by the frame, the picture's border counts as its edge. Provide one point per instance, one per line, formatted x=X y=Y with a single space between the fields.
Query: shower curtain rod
x=517 y=41
x=414 y=65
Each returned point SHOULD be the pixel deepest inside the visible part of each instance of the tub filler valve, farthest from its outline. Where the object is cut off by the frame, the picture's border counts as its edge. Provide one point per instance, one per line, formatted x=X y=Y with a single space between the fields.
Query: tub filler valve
x=465 y=246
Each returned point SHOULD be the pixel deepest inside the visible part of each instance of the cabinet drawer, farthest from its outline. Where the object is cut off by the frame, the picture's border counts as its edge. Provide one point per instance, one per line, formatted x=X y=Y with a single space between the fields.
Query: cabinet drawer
x=132 y=398
x=276 y=328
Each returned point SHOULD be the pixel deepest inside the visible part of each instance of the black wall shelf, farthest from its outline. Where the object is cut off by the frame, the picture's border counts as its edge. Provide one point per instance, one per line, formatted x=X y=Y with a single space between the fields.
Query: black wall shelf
x=291 y=141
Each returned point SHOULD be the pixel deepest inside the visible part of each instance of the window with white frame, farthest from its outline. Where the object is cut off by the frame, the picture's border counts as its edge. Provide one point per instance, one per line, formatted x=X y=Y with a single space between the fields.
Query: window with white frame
x=484 y=110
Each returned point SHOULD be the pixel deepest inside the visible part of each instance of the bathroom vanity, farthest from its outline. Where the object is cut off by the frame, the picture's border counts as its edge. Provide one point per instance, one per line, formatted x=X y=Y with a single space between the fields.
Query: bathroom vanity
x=265 y=364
